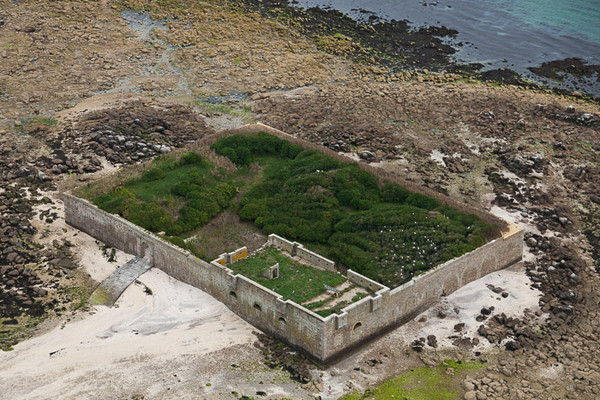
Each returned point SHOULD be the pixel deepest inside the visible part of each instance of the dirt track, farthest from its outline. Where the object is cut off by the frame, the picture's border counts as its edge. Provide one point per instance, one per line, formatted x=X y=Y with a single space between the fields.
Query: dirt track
x=73 y=78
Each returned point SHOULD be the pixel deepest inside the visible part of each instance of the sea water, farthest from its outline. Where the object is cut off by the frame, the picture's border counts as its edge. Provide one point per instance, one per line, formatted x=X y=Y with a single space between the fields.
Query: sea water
x=513 y=34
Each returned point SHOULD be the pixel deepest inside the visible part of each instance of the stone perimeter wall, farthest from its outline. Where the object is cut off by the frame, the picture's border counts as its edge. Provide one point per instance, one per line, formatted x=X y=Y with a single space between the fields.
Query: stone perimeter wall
x=375 y=315
x=325 y=339
x=255 y=303
x=229 y=258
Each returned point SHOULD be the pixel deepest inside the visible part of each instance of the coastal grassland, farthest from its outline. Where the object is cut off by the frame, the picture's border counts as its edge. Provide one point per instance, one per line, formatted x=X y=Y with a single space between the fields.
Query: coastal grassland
x=437 y=383
x=296 y=281
x=333 y=207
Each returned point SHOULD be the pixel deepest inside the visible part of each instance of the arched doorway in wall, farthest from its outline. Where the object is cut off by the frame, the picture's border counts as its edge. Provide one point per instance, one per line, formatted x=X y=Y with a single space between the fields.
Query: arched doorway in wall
x=356 y=330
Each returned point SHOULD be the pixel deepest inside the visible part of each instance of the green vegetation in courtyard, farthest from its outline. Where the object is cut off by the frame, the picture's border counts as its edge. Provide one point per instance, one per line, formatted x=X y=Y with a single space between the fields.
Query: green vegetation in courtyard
x=330 y=305
x=297 y=282
x=381 y=231
x=438 y=383
x=173 y=196
x=335 y=208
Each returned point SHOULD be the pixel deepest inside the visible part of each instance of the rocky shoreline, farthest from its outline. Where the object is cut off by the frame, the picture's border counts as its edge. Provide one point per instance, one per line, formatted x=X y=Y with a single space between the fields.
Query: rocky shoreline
x=397 y=46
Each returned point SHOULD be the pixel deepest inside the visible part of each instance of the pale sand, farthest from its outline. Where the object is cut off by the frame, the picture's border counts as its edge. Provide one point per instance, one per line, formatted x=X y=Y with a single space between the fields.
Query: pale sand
x=88 y=250
x=464 y=305
x=151 y=331
x=175 y=322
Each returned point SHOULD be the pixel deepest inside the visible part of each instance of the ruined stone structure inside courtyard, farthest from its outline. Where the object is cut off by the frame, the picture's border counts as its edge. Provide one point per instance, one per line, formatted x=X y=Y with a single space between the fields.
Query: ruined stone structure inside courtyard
x=324 y=338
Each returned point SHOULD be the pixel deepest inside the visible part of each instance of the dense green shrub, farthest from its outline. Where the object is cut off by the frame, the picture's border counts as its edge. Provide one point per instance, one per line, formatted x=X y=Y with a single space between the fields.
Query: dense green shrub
x=392 y=242
x=348 y=197
x=422 y=201
x=184 y=188
x=206 y=202
x=195 y=177
x=243 y=156
x=223 y=193
x=384 y=232
x=190 y=158
x=189 y=180
x=393 y=193
x=191 y=218
x=153 y=174
x=243 y=149
x=149 y=216
x=178 y=241
x=115 y=201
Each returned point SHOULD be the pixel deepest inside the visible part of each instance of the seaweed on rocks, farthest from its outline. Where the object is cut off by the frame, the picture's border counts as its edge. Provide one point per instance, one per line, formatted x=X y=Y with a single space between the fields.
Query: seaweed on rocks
x=398 y=46
x=558 y=69
x=393 y=44
x=278 y=355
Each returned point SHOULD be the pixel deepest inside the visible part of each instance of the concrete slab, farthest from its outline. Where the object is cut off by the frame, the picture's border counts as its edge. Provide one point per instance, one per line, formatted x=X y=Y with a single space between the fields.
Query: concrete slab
x=110 y=289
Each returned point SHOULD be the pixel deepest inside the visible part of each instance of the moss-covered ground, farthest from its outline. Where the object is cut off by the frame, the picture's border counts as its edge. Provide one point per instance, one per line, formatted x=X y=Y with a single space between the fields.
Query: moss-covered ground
x=437 y=383
x=296 y=281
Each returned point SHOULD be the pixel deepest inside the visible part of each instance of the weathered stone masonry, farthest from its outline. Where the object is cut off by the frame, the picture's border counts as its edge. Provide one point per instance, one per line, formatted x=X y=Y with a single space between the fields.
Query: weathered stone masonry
x=297 y=249
x=325 y=339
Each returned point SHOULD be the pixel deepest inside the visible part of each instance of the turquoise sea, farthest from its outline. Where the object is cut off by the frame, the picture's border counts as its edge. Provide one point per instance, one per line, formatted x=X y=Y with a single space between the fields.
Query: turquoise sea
x=497 y=33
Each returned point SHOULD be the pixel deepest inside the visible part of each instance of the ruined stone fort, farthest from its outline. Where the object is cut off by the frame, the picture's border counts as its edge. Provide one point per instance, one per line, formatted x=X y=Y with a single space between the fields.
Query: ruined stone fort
x=325 y=339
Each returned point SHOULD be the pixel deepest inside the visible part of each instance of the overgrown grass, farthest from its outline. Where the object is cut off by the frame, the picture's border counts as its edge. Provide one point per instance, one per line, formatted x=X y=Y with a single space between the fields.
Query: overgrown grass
x=172 y=196
x=296 y=281
x=438 y=383
x=379 y=230
x=335 y=208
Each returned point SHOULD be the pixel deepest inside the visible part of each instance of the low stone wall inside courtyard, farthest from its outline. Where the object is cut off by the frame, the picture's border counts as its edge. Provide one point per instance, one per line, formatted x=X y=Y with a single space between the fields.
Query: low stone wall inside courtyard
x=301 y=252
x=229 y=258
